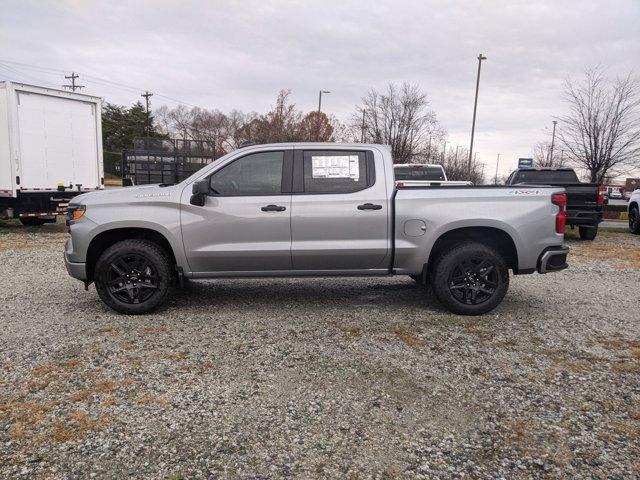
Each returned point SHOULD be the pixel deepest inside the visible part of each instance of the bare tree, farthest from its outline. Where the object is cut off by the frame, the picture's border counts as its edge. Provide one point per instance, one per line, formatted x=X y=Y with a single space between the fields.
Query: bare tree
x=399 y=117
x=456 y=165
x=543 y=157
x=601 y=133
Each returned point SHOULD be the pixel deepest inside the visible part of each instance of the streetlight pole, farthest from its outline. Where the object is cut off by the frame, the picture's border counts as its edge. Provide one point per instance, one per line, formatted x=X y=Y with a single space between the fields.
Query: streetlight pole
x=364 y=112
x=319 y=110
x=475 y=108
x=553 y=140
x=497 y=163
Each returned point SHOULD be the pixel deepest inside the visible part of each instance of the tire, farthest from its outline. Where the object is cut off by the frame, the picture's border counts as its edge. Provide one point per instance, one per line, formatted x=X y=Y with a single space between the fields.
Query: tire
x=133 y=276
x=481 y=294
x=32 y=221
x=588 y=233
x=634 y=221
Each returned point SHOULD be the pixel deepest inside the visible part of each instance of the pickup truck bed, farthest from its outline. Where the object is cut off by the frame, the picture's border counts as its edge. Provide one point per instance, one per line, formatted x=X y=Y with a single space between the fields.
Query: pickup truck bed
x=313 y=210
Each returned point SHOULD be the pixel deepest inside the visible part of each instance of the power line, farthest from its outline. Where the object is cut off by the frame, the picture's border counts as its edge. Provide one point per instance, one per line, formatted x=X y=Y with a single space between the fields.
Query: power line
x=94 y=79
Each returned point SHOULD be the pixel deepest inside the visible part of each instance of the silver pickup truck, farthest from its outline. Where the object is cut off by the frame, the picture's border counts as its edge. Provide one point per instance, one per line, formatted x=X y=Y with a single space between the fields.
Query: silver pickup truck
x=317 y=209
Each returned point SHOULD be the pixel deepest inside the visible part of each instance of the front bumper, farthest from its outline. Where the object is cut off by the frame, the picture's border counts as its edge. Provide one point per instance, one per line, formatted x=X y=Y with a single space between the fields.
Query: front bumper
x=553 y=259
x=76 y=270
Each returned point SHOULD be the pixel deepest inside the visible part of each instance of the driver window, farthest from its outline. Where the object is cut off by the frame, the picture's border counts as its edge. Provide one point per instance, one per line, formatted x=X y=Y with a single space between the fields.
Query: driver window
x=256 y=174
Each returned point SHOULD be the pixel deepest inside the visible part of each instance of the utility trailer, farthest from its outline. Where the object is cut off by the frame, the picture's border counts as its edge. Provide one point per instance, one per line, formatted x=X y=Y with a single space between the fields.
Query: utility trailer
x=50 y=150
x=164 y=160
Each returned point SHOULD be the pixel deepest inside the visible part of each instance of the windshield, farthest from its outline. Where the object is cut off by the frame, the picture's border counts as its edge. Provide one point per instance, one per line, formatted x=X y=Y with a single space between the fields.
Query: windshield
x=419 y=172
x=545 y=176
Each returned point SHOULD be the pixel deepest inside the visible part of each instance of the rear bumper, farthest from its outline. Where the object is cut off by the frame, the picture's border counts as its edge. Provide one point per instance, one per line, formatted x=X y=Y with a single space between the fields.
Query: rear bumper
x=553 y=259
x=583 y=217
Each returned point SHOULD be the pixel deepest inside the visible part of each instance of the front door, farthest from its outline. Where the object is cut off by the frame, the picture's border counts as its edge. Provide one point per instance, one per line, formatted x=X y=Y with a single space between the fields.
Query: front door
x=339 y=211
x=244 y=225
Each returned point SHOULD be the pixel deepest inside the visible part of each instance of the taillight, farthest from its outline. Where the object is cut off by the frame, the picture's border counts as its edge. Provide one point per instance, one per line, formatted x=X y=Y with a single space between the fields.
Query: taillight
x=560 y=199
x=601 y=191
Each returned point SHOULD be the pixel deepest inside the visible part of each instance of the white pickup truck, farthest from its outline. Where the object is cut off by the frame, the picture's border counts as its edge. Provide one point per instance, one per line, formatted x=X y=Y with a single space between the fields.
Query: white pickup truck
x=313 y=209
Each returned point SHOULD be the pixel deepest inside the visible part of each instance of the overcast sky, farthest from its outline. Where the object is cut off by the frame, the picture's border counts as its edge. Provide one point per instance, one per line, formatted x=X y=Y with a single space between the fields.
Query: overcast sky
x=229 y=55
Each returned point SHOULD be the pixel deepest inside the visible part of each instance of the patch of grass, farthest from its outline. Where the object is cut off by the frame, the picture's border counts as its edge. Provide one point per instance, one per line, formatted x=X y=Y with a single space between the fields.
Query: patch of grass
x=408 y=337
x=76 y=426
x=350 y=331
x=621 y=256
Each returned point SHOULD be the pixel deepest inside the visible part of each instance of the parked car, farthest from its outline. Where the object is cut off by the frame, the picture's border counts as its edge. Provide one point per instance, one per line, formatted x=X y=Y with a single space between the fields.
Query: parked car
x=627 y=194
x=419 y=174
x=615 y=194
x=287 y=210
x=634 y=212
x=584 y=200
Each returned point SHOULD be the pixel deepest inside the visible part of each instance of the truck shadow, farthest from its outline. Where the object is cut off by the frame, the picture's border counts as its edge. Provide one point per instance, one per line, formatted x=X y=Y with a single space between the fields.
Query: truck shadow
x=305 y=293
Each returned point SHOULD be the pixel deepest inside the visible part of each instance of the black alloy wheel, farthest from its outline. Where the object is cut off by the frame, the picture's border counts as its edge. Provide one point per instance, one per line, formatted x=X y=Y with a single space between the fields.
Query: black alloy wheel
x=133 y=276
x=470 y=278
x=131 y=279
x=473 y=280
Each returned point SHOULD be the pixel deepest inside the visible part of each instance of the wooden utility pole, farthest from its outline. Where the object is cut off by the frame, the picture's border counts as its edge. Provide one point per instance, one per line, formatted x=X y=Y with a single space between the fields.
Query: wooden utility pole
x=146 y=96
x=73 y=87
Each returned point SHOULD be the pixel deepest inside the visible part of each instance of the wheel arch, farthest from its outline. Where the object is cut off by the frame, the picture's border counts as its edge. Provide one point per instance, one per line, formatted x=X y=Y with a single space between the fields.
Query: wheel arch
x=493 y=237
x=107 y=238
x=632 y=205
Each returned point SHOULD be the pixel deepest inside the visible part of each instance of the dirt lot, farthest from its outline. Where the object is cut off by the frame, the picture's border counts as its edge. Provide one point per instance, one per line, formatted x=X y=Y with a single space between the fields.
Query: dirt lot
x=322 y=378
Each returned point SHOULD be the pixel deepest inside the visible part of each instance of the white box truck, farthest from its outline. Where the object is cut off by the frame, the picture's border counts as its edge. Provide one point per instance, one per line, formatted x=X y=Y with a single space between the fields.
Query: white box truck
x=50 y=150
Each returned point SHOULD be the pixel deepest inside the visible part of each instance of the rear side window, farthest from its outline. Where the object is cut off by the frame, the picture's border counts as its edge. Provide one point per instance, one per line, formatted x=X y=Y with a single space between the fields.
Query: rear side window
x=335 y=171
x=255 y=174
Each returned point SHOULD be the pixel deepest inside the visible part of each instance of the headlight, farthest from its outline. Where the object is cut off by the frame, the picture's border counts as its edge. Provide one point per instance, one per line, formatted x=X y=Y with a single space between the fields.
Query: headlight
x=75 y=211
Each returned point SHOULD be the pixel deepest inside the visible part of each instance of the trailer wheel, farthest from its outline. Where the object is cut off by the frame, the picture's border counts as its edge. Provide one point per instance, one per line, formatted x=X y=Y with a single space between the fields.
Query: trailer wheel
x=588 y=233
x=133 y=276
x=470 y=278
x=32 y=221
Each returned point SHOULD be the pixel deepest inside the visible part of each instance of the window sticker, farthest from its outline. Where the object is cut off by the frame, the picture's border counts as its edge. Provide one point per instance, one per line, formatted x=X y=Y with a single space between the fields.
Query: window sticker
x=339 y=166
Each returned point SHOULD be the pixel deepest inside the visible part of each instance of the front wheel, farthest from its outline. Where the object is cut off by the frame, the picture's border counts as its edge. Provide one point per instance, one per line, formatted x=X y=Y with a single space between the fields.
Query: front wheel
x=133 y=276
x=588 y=233
x=634 y=221
x=470 y=279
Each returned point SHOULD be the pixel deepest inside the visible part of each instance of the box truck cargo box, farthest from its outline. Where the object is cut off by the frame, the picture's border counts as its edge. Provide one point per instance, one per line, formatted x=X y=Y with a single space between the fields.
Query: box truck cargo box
x=50 y=149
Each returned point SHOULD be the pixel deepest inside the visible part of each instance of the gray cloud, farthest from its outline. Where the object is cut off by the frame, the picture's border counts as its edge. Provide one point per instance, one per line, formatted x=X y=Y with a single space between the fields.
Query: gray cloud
x=238 y=55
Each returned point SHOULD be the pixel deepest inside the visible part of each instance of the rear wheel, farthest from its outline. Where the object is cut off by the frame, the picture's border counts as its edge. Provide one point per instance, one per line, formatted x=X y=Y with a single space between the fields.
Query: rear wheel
x=588 y=233
x=133 y=276
x=634 y=221
x=470 y=279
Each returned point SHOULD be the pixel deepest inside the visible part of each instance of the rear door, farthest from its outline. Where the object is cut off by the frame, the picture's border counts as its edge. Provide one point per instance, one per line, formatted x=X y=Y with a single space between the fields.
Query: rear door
x=58 y=142
x=244 y=225
x=339 y=211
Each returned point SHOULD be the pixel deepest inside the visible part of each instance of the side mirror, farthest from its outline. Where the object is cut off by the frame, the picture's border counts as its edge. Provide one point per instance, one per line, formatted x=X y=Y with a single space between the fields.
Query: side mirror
x=201 y=187
x=200 y=190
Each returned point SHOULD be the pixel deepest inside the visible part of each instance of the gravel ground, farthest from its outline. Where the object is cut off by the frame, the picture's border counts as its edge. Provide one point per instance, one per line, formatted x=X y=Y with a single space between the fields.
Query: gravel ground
x=320 y=378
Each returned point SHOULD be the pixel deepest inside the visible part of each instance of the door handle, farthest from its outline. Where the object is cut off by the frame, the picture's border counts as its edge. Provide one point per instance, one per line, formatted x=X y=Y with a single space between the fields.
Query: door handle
x=273 y=208
x=369 y=206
